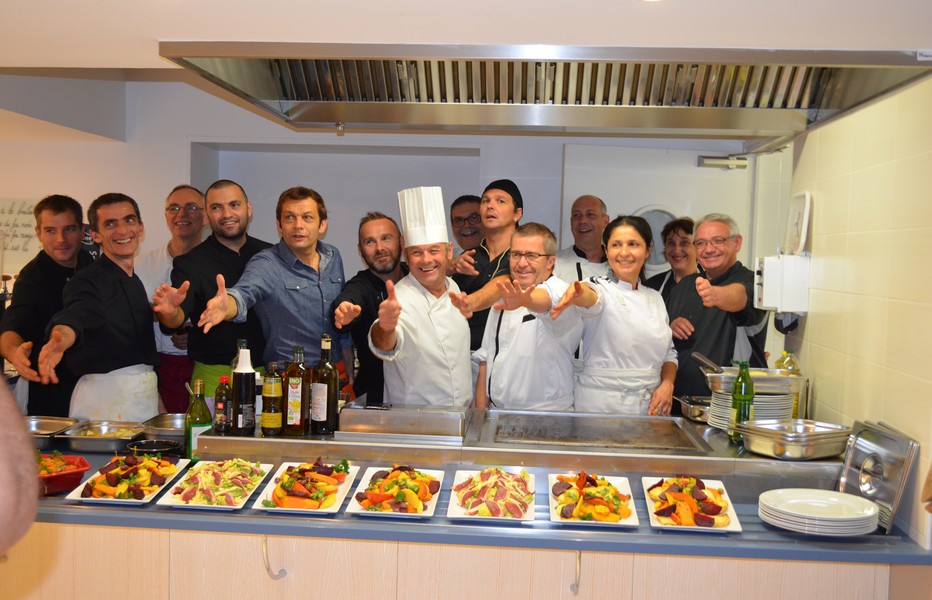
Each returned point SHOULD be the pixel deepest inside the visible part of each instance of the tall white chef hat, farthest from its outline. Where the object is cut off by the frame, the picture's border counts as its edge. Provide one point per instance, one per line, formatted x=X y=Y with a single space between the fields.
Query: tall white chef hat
x=422 y=216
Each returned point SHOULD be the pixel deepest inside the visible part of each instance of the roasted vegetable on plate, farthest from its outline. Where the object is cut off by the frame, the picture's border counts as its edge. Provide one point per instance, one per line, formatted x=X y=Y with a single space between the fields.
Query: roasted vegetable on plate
x=398 y=490
x=308 y=487
x=685 y=501
x=591 y=499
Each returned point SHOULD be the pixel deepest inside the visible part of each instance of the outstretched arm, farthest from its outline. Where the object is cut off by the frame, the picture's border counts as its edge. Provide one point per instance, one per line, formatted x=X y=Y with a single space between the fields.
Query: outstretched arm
x=220 y=308
x=61 y=338
x=383 y=333
x=15 y=350
x=166 y=304
x=578 y=294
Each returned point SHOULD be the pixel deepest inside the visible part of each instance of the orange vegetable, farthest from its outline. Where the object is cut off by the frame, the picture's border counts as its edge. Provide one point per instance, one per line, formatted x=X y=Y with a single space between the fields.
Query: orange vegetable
x=683 y=514
x=321 y=478
x=683 y=497
x=298 y=502
x=377 y=497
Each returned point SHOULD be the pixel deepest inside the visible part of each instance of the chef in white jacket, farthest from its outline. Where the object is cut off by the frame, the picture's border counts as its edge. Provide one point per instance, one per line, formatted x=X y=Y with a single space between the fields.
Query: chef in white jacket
x=525 y=361
x=630 y=362
x=421 y=336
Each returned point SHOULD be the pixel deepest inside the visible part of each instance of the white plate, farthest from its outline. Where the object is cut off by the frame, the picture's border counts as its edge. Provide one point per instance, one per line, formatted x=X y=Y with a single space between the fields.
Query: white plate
x=455 y=511
x=621 y=484
x=76 y=493
x=169 y=499
x=342 y=491
x=824 y=505
x=355 y=508
x=815 y=530
x=733 y=527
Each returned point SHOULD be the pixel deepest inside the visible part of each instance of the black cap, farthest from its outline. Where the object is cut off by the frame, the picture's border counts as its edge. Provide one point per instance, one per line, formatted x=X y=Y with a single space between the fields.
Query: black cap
x=508 y=186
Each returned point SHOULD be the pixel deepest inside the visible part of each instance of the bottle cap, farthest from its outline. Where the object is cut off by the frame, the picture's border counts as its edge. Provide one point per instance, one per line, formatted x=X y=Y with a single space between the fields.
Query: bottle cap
x=225 y=379
x=198 y=386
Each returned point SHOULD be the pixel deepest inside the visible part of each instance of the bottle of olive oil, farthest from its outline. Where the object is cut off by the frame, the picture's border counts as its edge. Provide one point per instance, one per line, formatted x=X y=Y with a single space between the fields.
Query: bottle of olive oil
x=324 y=392
x=272 y=402
x=296 y=381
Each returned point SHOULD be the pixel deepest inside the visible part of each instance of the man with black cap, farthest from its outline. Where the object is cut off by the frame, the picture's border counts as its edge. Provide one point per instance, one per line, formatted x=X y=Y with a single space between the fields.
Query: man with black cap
x=501 y=209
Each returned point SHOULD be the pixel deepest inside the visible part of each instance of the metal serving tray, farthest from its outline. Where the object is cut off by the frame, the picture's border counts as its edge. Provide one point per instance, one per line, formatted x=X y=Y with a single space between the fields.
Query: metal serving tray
x=695 y=409
x=793 y=439
x=43 y=428
x=796 y=429
x=766 y=381
x=91 y=436
x=167 y=426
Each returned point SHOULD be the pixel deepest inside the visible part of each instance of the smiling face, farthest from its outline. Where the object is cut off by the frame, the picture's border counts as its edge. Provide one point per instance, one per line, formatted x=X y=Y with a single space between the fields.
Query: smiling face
x=228 y=212
x=467 y=225
x=626 y=251
x=498 y=210
x=300 y=225
x=428 y=264
x=680 y=252
x=719 y=249
x=119 y=231
x=188 y=221
x=524 y=270
x=380 y=245
x=60 y=235
x=587 y=222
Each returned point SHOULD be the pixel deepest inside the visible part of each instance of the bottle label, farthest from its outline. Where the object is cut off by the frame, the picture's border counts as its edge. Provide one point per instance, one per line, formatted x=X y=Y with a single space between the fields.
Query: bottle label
x=272 y=386
x=195 y=432
x=294 y=401
x=319 y=402
x=271 y=420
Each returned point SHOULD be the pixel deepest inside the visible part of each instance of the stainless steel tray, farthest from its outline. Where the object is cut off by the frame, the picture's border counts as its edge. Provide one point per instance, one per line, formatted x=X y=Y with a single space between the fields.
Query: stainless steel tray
x=91 y=436
x=695 y=409
x=167 y=426
x=43 y=428
x=790 y=449
x=766 y=381
x=408 y=420
x=796 y=429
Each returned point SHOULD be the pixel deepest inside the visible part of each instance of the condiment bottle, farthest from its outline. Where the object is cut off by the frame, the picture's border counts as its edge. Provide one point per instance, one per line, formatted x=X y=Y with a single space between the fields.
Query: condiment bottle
x=325 y=390
x=781 y=362
x=792 y=365
x=244 y=395
x=223 y=407
x=742 y=400
x=272 y=402
x=297 y=395
x=197 y=420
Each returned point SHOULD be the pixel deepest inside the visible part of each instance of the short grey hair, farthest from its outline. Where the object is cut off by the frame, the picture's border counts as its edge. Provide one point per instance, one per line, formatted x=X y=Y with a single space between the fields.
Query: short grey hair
x=720 y=218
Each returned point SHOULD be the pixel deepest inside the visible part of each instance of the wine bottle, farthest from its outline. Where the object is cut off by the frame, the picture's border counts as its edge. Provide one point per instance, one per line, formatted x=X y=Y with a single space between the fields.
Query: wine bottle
x=223 y=407
x=297 y=395
x=325 y=389
x=196 y=420
x=742 y=400
x=272 y=402
x=244 y=395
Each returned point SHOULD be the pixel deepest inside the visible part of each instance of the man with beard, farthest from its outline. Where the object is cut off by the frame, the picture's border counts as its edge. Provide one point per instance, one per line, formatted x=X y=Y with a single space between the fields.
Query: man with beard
x=466 y=221
x=194 y=276
x=184 y=216
x=357 y=306
x=586 y=257
x=421 y=336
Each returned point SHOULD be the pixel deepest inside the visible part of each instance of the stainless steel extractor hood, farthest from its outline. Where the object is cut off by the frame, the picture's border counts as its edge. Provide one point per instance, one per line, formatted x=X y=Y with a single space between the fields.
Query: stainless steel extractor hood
x=763 y=97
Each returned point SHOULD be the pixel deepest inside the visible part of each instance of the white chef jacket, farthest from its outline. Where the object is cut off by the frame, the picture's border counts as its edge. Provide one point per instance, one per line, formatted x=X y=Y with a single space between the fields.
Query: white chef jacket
x=570 y=266
x=627 y=338
x=155 y=268
x=529 y=356
x=430 y=363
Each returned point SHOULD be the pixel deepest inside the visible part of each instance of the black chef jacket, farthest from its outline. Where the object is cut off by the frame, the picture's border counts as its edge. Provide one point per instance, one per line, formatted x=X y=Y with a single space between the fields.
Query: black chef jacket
x=488 y=270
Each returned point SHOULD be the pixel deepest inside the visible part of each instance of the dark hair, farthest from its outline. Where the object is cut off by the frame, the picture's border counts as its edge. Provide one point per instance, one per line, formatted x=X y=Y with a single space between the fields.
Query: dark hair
x=640 y=225
x=684 y=224
x=222 y=183
x=107 y=200
x=300 y=193
x=57 y=204
x=185 y=186
x=532 y=229
x=466 y=199
x=375 y=216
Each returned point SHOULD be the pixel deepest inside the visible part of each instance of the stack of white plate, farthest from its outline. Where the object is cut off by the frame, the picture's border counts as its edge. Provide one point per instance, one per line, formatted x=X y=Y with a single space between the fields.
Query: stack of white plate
x=818 y=512
x=766 y=406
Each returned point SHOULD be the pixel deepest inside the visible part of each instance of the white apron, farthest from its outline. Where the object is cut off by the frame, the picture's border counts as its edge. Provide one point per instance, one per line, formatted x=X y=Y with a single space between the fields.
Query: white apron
x=615 y=391
x=127 y=394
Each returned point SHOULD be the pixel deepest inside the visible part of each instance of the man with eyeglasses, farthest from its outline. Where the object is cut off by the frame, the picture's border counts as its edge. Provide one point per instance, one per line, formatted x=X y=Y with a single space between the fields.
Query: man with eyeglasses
x=184 y=217
x=104 y=330
x=466 y=221
x=586 y=257
x=713 y=312
x=226 y=251
x=525 y=361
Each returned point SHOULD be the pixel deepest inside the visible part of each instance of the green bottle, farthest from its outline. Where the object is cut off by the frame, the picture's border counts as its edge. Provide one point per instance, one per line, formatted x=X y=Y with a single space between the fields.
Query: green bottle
x=742 y=400
x=197 y=420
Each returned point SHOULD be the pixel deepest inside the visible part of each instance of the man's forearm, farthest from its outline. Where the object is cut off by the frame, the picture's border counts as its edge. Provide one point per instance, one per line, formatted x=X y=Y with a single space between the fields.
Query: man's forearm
x=172 y=321
x=487 y=295
x=731 y=298
x=381 y=339
x=9 y=342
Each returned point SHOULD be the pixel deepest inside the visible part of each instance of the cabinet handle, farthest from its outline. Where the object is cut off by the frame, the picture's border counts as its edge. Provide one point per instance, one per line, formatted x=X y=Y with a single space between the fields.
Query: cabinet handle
x=265 y=558
x=574 y=587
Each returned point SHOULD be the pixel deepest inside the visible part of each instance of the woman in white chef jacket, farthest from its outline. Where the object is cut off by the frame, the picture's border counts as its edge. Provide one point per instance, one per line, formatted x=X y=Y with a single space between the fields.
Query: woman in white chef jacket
x=629 y=359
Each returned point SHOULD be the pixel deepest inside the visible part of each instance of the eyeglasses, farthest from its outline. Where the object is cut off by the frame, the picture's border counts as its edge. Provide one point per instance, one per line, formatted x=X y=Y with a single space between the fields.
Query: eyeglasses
x=472 y=219
x=717 y=242
x=174 y=209
x=529 y=256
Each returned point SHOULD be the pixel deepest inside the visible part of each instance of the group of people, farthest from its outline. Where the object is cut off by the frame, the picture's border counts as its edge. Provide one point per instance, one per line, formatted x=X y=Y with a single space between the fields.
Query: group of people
x=511 y=321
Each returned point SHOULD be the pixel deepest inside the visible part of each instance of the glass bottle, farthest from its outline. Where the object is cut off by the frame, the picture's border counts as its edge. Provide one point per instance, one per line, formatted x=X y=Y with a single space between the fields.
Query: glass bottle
x=240 y=344
x=272 y=401
x=781 y=362
x=297 y=395
x=197 y=420
x=223 y=407
x=792 y=365
x=324 y=392
x=244 y=395
x=742 y=400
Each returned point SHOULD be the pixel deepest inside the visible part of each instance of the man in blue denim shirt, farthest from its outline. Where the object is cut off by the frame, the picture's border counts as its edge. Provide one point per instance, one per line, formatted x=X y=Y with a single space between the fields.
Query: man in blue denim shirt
x=291 y=284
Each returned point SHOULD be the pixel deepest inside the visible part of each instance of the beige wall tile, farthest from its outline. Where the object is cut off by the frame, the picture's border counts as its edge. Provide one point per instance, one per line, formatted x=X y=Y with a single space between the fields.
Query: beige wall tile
x=827 y=377
x=909 y=265
x=874 y=134
x=862 y=388
x=914 y=123
x=805 y=153
x=911 y=202
x=836 y=148
x=828 y=265
x=866 y=328
x=825 y=324
x=830 y=201
x=871 y=189
x=867 y=268
x=909 y=339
